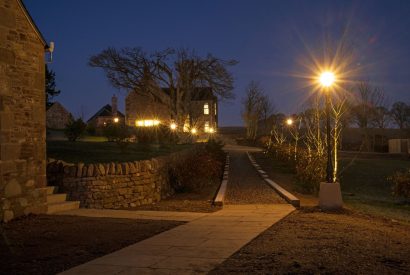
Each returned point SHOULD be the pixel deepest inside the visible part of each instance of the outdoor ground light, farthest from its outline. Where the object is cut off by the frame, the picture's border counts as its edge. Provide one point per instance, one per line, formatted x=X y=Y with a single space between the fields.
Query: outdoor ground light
x=289 y=121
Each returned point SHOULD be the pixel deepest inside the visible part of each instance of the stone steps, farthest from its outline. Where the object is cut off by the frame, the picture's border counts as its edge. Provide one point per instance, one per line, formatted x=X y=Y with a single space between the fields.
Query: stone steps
x=62 y=206
x=58 y=202
x=55 y=198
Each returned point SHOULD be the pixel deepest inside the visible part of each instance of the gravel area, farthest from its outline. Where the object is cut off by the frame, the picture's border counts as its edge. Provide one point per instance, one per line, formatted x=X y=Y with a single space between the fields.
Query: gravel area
x=312 y=242
x=245 y=186
x=51 y=244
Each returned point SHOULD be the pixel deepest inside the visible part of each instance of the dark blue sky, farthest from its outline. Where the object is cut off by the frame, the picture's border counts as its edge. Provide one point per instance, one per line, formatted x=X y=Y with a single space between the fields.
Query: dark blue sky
x=268 y=38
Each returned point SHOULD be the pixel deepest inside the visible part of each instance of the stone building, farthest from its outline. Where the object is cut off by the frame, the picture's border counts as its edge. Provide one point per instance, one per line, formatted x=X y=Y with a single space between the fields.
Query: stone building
x=142 y=110
x=107 y=114
x=22 y=113
x=57 y=116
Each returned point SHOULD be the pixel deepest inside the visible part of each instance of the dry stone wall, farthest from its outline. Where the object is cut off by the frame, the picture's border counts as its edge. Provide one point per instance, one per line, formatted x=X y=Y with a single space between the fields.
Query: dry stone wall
x=113 y=185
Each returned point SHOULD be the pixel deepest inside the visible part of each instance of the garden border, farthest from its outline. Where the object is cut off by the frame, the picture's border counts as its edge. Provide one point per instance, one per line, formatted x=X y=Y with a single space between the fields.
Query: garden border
x=220 y=196
x=289 y=197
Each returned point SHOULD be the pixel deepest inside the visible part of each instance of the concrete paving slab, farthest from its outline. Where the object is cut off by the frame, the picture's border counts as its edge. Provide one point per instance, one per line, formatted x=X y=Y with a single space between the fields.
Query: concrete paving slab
x=129 y=214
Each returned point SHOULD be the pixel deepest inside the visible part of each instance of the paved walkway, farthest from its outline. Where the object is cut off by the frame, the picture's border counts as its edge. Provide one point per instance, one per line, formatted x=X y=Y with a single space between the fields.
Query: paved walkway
x=199 y=245
x=192 y=248
x=136 y=215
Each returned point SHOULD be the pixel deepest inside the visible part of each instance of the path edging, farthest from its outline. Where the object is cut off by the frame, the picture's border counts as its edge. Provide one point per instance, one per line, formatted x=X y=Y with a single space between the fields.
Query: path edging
x=289 y=197
x=220 y=196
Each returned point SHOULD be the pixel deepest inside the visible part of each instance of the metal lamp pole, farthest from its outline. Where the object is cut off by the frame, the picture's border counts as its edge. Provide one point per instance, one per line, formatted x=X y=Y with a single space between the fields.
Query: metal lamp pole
x=329 y=168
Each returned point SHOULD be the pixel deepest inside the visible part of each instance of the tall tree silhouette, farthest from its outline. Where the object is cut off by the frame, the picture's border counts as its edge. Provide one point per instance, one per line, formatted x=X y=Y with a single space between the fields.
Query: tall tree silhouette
x=51 y=89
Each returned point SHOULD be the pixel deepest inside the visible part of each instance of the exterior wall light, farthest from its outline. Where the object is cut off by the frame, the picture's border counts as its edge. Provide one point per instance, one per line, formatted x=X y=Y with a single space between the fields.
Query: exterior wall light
x=116 y=119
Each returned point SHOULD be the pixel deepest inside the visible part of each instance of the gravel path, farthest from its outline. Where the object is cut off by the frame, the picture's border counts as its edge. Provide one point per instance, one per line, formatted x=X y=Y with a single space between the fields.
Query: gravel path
x=245 y=185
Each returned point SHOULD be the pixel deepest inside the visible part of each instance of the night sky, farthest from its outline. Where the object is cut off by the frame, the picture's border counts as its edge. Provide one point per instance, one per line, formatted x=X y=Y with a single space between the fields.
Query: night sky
x=270 y=39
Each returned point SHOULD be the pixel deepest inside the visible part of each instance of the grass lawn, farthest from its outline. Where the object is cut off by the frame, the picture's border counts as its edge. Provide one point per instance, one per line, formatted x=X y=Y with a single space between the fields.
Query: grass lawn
x=365 y=186
x=92 y=152
x=363 y=181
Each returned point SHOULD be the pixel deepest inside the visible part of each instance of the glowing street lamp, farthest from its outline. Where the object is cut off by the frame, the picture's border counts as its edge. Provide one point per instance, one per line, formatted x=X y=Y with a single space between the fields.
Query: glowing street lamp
x=289 y=121
x=193 y=131
x=173 y=126
x=326 y=80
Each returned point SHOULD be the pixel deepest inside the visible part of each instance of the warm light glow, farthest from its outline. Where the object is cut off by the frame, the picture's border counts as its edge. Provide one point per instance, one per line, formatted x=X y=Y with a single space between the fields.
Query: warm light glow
x=327 y=79
x=147 y=123
x=173 y=126
x=116 y=119
x=289 y=121
x=193 y=131
x=211 y=130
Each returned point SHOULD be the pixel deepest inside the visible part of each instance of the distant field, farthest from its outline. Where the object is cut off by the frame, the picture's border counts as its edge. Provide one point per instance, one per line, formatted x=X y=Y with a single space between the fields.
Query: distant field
x=89 y=152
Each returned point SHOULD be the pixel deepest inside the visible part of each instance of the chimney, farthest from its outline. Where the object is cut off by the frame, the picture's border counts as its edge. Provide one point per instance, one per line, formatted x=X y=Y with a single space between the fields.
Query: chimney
x=114 y=105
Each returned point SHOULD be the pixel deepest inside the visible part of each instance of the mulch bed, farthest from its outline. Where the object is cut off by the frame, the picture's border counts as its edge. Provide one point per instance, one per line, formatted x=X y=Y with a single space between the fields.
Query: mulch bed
x=50 y=244
x=200 y=201
x=311 y=242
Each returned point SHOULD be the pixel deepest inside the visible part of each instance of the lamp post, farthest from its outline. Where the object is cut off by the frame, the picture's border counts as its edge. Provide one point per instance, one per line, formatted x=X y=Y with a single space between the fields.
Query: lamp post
x=330 y=196
x=326 y=80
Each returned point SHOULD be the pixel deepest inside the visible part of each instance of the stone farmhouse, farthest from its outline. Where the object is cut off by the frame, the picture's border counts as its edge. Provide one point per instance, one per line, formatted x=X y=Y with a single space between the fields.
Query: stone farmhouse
x=148 y=111
x=22 y=113
x=57 y=116
x=107 y=114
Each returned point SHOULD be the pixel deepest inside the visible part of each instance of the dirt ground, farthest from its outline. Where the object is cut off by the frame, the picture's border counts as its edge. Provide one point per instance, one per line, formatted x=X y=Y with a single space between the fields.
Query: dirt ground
x=200 y=201
x=50 y=244
x=311 y=242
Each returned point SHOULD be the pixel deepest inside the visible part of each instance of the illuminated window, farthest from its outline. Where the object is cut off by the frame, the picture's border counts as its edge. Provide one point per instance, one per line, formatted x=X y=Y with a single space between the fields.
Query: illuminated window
x=206 y=109
x=215 y=108
x=147 y=123
x=206 y=126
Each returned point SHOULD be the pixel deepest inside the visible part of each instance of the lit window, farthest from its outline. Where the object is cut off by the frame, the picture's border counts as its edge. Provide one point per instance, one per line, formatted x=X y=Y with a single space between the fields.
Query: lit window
x=206 y=126
x=206 y=109
x=147 y=123
x=215 y=108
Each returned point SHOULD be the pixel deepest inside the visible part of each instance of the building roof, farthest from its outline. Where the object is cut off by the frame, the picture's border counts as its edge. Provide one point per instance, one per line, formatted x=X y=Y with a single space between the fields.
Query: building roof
x=32 y=23
x=57 y=105
x=203 y=93
x=104 y=112
x=200 y=93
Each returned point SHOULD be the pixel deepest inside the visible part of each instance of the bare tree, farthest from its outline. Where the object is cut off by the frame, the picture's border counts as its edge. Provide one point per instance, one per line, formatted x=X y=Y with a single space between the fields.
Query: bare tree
x=363 y=111
x=180 y=71
x=400 y=113
x=256 y=106
x=381 y=117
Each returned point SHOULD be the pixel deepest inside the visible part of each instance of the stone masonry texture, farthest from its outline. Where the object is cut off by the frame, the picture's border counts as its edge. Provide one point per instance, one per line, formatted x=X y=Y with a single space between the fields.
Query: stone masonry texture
x=114 y=185
x=22 y=114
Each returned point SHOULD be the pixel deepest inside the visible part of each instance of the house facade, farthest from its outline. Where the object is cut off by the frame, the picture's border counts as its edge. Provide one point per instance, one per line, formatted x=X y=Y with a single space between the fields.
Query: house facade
x=107 y=114
x=147 y=111
x=57 y=116
x=22 y=113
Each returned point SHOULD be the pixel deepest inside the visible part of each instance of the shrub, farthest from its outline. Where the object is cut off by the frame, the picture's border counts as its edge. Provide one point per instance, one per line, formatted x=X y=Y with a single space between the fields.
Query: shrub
x=310 y=171
x=159 y=134
x=74 y=129
x=118 y=133
x=197 y=169
x=401 y=183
